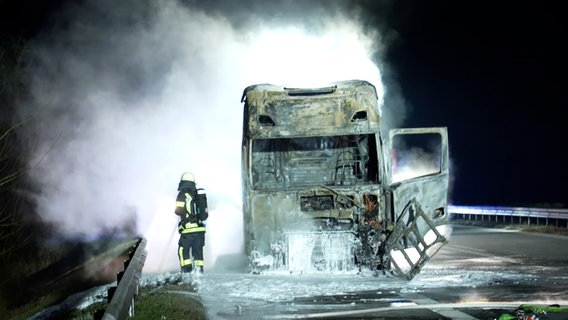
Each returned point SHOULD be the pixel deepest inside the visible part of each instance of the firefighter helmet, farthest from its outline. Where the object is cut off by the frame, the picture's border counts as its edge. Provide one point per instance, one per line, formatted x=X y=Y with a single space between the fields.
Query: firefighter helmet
x=187 y=176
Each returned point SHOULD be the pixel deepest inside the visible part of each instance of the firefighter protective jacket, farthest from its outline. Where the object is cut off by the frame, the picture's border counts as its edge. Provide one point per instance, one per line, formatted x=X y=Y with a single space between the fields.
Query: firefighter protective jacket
x=185 y=208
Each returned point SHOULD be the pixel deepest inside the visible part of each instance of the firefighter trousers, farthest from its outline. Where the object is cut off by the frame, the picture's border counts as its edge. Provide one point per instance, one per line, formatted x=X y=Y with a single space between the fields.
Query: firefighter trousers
x=191 y=246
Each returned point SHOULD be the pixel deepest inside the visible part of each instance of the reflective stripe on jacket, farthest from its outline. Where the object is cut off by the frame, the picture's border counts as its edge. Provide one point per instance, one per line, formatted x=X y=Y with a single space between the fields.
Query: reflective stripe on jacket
x=191 y=227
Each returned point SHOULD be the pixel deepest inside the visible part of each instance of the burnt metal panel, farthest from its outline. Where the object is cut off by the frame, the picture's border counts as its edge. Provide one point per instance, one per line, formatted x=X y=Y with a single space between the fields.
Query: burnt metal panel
x=349 y=107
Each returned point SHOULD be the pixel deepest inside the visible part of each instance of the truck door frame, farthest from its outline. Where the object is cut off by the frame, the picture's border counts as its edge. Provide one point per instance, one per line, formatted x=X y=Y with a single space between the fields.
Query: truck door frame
x=418 y=208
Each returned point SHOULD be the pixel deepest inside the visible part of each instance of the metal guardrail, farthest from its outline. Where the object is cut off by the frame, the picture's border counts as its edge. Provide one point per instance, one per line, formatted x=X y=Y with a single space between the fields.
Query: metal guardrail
x=121 y=297
x=512 y=215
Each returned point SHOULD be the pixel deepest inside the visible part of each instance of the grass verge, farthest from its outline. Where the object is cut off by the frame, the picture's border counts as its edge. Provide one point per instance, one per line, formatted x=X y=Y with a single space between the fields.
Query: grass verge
x=169 y=302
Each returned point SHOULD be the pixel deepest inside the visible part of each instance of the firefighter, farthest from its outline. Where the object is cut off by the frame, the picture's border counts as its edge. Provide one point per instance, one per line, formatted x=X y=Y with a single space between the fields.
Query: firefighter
x=192 y=213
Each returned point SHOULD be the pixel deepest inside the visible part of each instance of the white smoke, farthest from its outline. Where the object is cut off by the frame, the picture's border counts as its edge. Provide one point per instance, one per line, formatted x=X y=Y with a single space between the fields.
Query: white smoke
x=130 y=94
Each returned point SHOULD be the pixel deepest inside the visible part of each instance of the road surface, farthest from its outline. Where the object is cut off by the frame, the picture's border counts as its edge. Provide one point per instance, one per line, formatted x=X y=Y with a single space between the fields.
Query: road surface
x=480 y=274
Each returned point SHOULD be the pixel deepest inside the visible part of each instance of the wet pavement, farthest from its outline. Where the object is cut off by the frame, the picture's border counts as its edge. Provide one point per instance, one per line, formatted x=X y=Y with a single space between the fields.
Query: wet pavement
x=480 y=274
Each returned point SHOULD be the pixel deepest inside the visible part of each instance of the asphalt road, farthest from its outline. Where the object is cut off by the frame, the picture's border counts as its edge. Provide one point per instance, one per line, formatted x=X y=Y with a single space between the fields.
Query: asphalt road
x=481 y=274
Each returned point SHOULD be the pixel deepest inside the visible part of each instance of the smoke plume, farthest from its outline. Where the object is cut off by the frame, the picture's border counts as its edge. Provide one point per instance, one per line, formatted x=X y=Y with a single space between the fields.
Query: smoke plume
x=129 y=94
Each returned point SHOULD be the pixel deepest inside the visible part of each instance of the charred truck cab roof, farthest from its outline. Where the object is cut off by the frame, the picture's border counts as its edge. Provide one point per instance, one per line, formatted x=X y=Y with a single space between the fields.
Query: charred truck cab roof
x=342 y=108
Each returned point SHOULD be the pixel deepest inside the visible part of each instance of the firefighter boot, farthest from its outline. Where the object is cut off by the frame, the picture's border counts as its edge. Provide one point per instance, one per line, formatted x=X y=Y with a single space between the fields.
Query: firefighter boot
x=187 y=269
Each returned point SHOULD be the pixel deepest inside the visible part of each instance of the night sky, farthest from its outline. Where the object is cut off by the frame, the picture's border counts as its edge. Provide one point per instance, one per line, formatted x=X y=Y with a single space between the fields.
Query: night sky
x=495 y=75
x=492 y=72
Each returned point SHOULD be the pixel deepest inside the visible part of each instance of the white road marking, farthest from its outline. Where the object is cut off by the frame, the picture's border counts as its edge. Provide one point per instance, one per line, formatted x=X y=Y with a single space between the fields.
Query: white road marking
x=436 y=307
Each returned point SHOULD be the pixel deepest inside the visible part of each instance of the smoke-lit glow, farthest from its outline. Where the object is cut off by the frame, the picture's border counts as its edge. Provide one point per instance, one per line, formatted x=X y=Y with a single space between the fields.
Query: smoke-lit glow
x=444 y=230
x=414 y=157
x=131 y=95
x=296 y=58
x=414 y=171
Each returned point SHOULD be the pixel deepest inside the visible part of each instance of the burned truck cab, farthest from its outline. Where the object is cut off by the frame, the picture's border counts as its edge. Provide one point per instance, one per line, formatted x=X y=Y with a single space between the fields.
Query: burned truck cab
x=322 y=191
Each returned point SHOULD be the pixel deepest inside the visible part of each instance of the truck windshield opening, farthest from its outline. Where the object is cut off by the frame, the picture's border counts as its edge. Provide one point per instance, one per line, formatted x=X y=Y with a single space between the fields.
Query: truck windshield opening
x=286 y=163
